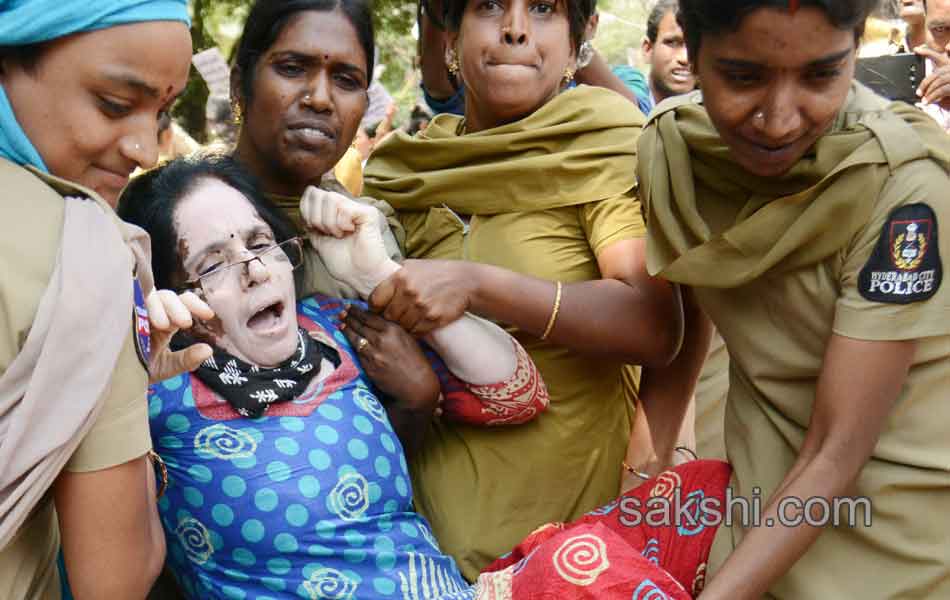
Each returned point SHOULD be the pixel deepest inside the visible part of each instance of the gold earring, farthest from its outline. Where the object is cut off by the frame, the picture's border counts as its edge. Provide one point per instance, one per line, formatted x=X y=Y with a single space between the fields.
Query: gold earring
x=236 y=113
x=568 y=74
x=453 y=65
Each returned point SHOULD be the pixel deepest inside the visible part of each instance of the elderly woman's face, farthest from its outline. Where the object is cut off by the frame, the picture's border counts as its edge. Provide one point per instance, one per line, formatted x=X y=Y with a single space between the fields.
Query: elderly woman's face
x=254 y=303
x=91 y=105
x=775 y=86
x=513 y=55
x=309 y=95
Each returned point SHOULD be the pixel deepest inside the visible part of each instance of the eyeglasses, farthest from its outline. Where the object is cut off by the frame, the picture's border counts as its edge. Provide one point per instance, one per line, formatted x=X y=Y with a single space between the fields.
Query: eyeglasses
x=289 y=251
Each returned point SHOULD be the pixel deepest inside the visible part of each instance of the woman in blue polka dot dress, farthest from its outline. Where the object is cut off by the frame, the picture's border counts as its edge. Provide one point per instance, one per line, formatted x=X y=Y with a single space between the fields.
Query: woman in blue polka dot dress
x=286 y=478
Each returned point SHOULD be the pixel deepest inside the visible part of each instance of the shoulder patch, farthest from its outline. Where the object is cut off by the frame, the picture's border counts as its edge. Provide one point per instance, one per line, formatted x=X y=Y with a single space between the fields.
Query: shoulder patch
x=905 y=265
x=143 y=343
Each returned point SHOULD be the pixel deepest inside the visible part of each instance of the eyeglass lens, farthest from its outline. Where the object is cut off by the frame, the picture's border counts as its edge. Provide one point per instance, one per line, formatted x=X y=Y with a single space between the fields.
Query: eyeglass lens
x=286 y=252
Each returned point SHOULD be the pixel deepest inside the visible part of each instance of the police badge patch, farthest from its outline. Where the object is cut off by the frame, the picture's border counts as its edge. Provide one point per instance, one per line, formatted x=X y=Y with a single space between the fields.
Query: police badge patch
x=905 y=266
x=143 y=338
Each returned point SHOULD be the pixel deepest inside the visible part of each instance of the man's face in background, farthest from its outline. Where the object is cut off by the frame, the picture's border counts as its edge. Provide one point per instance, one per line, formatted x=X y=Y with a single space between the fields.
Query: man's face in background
x=670 y=74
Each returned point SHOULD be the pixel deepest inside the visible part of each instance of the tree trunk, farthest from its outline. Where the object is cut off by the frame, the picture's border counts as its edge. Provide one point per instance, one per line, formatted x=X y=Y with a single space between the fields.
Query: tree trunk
x=189 y=111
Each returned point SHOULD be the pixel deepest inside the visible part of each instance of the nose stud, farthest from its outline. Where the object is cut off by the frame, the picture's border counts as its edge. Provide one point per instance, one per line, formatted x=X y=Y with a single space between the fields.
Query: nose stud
x=760 y=116
x=137 y=146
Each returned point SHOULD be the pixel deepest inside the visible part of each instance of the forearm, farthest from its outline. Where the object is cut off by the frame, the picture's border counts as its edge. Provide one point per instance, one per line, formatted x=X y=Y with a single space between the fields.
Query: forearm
x=667 y=392
x=767 y=553
x=598 y=73
x=95 y=541
x=859 y=383
x=634 y=324
x=475 y=350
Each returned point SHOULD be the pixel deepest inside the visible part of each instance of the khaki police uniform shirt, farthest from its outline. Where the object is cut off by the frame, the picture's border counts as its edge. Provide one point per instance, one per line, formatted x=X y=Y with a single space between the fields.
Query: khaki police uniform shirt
x=777 y=328
x=31 y=220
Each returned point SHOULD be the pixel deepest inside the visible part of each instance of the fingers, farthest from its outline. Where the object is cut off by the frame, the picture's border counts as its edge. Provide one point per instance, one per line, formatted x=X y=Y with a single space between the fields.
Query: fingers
x=365 y=350
x=938 y=94
x=328 y=216
x=411 y=317
x=356 y=213
x=396 y=309
x=424 y=327
x=320 y=211
x=382 y=295
x=936 y=88
x=192 y=356
x=157 y=316
x=940 y=59
x=183 y=361
x=198 y=307
x=311 y=204
x=353 y=329
x=365 y=319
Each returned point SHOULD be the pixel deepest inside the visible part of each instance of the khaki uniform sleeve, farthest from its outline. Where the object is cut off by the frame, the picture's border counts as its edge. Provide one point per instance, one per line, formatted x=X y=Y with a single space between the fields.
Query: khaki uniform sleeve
x=612 y=220
x=29 y=244
x=121 y=431
x=856 y=316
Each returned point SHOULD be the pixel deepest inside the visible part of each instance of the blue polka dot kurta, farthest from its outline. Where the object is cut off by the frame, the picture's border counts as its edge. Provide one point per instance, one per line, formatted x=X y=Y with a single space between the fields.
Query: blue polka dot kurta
x=312 y=500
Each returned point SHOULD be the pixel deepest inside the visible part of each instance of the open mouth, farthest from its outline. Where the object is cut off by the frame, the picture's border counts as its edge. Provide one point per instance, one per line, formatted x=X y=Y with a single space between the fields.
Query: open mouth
x=267 y=318
x=681 y=75
x=313 y=131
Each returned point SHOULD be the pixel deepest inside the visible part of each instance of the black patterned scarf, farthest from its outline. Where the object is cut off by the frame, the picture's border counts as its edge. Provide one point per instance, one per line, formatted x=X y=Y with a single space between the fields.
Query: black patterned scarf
x=250 y=389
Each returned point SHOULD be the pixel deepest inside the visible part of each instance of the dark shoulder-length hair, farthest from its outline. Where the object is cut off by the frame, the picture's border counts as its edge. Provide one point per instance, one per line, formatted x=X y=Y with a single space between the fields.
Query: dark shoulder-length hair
x=151 y=199
x=579 y=13
x=712 y=17
x=268 y=18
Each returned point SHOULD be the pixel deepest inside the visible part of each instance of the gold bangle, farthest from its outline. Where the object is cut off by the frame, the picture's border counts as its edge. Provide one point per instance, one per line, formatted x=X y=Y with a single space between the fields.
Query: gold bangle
x=156 y=460
x=557 y=308
x=636 y=472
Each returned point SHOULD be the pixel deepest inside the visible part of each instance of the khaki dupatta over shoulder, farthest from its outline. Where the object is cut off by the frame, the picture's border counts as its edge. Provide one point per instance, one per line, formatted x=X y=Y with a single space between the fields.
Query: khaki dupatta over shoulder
x=580 y=147
x=52 y=392
x=713 y=224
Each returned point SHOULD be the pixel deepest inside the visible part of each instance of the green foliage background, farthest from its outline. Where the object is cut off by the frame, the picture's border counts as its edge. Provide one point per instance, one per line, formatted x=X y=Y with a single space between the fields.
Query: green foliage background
x=219 y=22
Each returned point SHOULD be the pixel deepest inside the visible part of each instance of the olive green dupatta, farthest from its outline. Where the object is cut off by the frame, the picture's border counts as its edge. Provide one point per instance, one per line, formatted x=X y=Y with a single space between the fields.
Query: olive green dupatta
x=713 y=224
x=580 y=147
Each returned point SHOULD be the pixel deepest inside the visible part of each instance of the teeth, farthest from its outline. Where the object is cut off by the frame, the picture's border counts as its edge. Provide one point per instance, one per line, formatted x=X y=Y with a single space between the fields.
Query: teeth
x=313 y=132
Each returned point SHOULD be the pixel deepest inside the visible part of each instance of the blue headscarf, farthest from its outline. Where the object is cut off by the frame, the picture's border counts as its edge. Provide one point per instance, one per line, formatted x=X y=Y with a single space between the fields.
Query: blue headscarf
x=24 y=22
